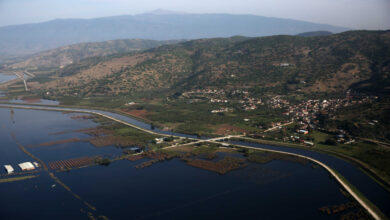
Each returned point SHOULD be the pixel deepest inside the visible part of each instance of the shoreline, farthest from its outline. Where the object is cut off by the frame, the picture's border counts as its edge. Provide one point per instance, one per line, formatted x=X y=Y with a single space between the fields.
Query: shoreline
x=371 y=172
x=357 y=195
x=352 y=190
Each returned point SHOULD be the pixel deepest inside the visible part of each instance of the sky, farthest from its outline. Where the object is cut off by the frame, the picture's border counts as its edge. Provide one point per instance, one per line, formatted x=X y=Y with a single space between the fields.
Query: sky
x=355 y=14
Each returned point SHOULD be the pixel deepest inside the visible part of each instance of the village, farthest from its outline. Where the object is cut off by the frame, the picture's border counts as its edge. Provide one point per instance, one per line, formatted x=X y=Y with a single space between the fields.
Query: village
x=307 y=114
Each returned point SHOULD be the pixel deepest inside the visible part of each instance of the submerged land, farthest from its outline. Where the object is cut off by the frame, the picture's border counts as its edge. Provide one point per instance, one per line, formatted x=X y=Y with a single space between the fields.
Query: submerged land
x=194 y=152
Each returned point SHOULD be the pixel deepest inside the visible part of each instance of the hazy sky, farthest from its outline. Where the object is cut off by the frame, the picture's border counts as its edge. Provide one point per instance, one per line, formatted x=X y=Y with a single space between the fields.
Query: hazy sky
x=357 y=14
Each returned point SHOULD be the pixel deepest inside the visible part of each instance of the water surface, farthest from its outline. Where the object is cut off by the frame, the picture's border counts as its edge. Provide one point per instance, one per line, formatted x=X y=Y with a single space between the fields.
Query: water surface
x=6 y=77
x=166 y=190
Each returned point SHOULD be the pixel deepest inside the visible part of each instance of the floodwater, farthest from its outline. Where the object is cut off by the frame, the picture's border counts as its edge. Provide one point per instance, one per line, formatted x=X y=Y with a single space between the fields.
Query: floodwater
x=166 y=190
x=6 y=77
x=35 y=101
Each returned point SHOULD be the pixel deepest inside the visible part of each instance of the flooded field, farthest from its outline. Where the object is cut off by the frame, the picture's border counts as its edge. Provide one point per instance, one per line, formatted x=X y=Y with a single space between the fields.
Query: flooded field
x=6 y=77
x=34 y=101
x=73 y=182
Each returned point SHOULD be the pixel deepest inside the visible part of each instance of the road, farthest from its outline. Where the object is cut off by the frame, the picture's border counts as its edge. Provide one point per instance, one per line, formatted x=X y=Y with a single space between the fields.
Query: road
x=21 y=76
x=279 y=126
x=387 y=145
x=28 y=73
x=338 y=178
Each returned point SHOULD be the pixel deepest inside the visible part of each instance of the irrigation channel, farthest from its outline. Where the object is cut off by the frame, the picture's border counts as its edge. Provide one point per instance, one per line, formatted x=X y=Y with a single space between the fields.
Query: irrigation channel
x=352 y=173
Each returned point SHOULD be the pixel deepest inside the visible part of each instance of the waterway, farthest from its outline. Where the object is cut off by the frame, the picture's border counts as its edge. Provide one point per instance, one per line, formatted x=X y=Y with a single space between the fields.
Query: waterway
x=167 y=190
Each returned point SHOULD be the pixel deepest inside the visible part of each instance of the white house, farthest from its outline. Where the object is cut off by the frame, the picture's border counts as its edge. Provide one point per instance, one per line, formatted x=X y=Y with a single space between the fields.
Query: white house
x=26 y=166
x=9 y=169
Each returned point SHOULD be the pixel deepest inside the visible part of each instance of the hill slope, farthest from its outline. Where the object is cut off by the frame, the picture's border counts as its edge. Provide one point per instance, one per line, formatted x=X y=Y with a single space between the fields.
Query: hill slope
x=277 y=64
x=66 y=55
x=32 y=38
x=315 y=34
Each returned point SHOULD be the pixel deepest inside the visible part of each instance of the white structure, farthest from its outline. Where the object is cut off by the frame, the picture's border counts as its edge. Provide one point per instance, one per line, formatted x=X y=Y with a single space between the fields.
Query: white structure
x=26 y=166
x=159 y=140
x=9 y=169
x=303 y=131
x=309 y=143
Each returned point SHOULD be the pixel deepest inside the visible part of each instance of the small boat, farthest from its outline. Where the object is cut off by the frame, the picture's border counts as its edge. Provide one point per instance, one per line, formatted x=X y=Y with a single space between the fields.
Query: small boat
x=54 y=185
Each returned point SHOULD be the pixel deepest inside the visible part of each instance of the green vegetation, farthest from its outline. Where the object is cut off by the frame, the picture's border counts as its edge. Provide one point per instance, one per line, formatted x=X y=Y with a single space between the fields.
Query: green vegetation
x=52 y=59
x=102 y=102
x=367 y=120
x=126 y=134
x=196 y=118
x=259 y=157
x=372 y=157
x=262 y=157
x=170 y=86
x=316 y=66
x=103 y=161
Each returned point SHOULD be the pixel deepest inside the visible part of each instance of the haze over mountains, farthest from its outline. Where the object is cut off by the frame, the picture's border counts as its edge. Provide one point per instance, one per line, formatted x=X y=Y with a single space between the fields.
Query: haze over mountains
x=24 y=39
x=62 y=56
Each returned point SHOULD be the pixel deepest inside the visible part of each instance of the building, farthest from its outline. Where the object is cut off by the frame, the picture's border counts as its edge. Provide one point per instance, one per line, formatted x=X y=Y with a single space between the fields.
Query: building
x=303 y=131
x=308 y=143
x=9 y=169
x=26 y=166
x=159 y=140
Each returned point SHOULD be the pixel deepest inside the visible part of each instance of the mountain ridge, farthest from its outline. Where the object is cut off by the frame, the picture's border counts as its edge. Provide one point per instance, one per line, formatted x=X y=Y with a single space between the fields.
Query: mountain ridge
x=277 y=64
x=31 y=38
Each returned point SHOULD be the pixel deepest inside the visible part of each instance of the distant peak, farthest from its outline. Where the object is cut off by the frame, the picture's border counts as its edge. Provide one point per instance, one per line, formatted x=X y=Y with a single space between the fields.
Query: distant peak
x=164 y=12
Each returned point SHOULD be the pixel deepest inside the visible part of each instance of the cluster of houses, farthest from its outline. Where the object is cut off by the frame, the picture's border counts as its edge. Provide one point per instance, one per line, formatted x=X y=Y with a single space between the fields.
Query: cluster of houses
x=278 y=102
x=307 y=112
x=26 y=166
x=219 y=96
x=343 y=138
x=222 y=110
x=284 y=64
x=205 y=91
x=247 y=103
x=219 y=100
x=250 y=103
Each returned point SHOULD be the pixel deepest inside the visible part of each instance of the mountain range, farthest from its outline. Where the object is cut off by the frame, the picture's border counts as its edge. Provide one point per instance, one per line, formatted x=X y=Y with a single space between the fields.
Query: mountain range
x=16 y=40
x=276 y=64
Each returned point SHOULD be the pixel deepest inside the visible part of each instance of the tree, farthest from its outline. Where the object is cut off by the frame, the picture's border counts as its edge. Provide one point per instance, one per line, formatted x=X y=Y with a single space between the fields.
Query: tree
x=330 y=141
